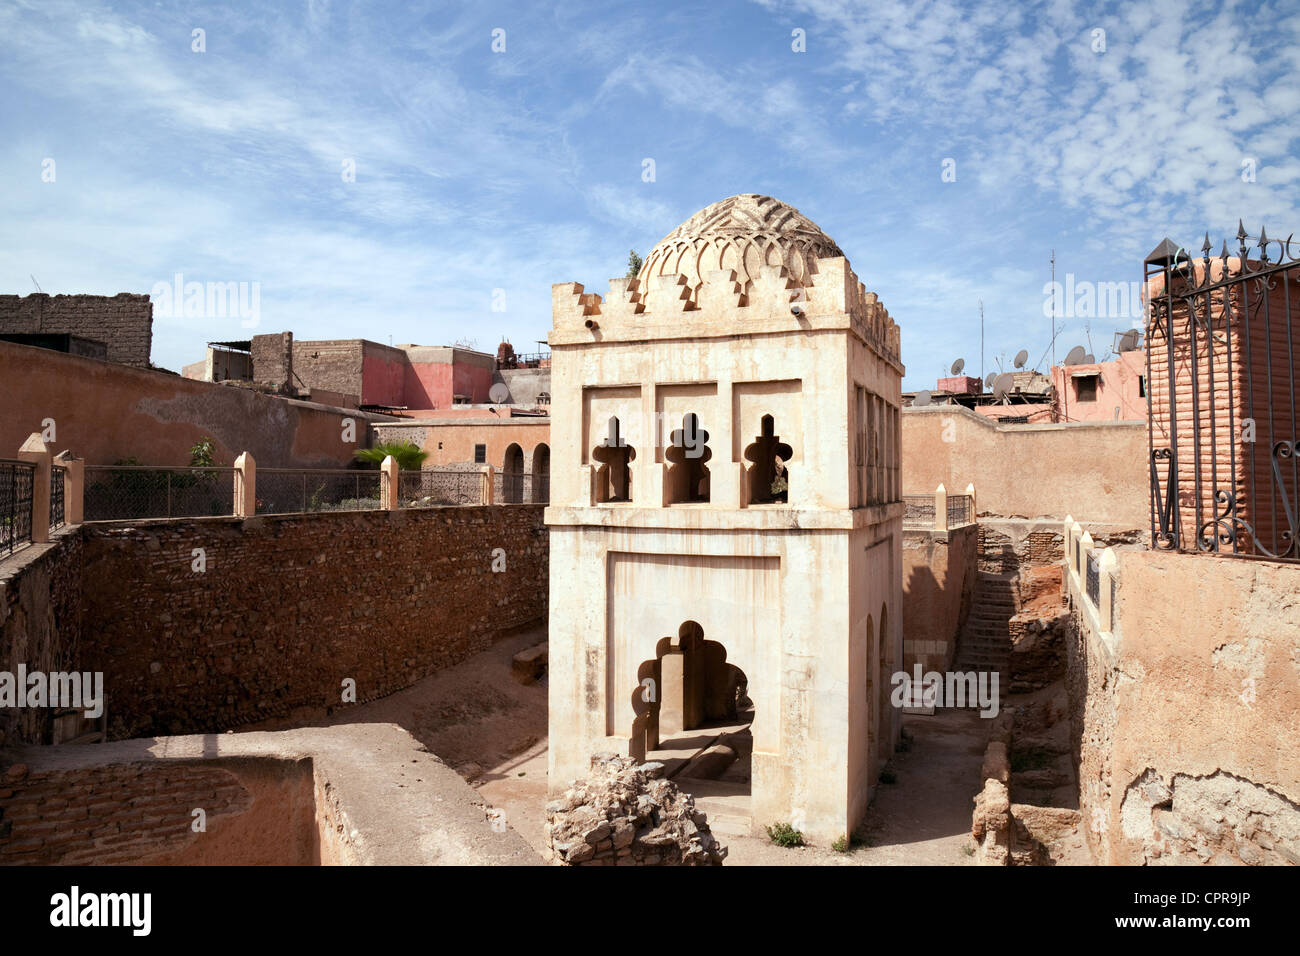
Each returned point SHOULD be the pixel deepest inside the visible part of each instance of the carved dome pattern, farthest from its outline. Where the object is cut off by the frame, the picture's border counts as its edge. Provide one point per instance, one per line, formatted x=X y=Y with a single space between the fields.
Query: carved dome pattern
x=741 y=233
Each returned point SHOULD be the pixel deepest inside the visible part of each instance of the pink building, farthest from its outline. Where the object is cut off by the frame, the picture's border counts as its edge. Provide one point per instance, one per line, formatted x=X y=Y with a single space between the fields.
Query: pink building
x=1102 y=391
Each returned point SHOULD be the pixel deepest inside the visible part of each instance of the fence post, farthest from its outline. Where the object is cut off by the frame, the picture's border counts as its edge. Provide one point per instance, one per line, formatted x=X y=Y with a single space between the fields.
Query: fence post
x=389 y=475
x=974 y=512
x=486 y=495
x=245 y=486
x=36 y=451
x=941 y=508
x=1105 y=608
x=1076 y=530
x=74 y=487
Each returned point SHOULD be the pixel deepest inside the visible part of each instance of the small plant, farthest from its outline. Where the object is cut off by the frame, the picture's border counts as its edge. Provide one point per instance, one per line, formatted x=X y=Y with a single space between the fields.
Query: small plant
x=408 y=454
x=968 y=850
x=841 y=845
x=888 y=776
x=783 y=834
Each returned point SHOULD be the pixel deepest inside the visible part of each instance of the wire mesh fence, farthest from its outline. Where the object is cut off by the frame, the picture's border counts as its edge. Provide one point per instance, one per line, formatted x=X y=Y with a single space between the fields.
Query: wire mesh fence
x=56 y=497
x=1094 y=580
x=16 y=481
x=294 y=490
x=120 y=492
x=436 y=487
x=961 y=510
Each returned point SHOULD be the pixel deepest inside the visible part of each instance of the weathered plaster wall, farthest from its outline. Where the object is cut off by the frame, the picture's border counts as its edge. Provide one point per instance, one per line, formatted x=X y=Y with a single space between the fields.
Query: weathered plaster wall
x=1192 y=752
x=1096 y=471
x=105 y=412
x=939 y=571
x=452 y=441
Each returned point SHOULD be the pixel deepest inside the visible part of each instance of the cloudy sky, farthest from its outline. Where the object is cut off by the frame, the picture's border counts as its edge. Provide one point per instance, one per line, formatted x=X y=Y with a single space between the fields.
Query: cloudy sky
x=948 y=148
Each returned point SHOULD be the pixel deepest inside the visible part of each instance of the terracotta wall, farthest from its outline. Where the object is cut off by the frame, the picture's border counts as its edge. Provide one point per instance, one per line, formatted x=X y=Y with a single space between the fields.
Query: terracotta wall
x=1188 y=717
x=451 y=441
x=1120 y=385
x=1095 y=472
x=104 y=412
x=939 y=571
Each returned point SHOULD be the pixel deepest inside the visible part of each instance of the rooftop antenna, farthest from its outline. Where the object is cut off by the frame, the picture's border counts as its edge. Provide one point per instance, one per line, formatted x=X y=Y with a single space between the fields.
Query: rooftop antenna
x=1053 y=329
x=981 y=338
x=35 y=283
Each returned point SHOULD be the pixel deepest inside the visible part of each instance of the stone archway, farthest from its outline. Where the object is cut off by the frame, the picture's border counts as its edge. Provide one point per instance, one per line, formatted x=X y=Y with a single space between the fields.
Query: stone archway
x=512 y=475
x=693 y=711
x=541 y=474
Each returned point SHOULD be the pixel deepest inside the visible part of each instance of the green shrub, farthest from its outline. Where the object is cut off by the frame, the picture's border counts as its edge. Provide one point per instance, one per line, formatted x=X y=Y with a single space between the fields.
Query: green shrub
x=783 y=834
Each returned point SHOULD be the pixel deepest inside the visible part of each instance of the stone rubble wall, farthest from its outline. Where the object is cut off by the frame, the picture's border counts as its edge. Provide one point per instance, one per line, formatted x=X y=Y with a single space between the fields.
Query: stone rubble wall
x=123 y=322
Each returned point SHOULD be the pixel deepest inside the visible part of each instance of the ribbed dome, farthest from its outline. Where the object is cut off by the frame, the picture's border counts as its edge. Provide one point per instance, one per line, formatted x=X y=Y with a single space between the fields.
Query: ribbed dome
x=742 y=233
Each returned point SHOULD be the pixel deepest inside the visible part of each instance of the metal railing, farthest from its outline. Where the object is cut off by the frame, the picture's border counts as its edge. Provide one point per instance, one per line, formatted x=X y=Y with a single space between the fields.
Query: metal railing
x=123 y=492
x=57 y=475
x=435 y=487
x=961 y=510
x=514 y=488
x=294 y=490
x=1223 y=386
x=16 y=482
x=1093 y=580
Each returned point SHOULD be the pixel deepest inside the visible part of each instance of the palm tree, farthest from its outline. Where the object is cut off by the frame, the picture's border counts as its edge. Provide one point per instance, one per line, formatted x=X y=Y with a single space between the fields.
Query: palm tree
x=409 y=455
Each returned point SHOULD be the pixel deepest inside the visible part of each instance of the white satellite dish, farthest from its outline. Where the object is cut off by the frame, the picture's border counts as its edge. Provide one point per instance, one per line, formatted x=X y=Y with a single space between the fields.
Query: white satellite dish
x=957 y=366
x=1076 y=356
x=1021 y=358
x=922 y=398
x=499 y=393
x=1002 y=385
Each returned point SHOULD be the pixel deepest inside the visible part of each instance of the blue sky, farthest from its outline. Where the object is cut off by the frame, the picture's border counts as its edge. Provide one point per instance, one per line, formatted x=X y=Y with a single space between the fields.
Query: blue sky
x=478 y=170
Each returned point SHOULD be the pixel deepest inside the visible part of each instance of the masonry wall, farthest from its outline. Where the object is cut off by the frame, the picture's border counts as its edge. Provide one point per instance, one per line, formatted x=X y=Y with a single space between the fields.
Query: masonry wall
x=939 y=573
x=40 y=623
x=1093 y=471
x=291 y=606
x=123 y=322
x=105 y=412
x=452 y=441
x=1191 y=713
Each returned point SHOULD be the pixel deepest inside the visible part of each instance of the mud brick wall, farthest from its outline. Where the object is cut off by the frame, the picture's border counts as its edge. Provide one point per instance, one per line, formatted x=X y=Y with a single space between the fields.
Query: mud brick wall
x=123 y=322
x=290 y=606
x=40 y=623
x=272 y=358
x=335 y=366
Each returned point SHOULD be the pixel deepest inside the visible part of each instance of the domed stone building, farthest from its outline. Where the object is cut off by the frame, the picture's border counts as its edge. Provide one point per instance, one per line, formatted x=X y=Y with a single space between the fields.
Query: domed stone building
x=726 y=521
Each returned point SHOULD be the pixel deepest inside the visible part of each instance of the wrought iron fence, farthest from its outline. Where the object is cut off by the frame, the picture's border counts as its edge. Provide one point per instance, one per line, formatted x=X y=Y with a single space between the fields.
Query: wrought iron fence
x=515 y=487
x=1224 y=446
x=961 y=510
x=294 y=490
x=122 y=492
x=1093 y=580
x=16 y=481
x=435 y=487
x=56 y=497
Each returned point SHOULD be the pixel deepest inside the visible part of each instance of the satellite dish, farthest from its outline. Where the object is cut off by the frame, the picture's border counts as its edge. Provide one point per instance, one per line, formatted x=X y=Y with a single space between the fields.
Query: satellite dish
x=988 y=381
x=1002 y=385
x=1089 y=359
x=922 y=398
x=1076 y=356
x=1128 y=342
x=957 y=366
x=499 y=393
x=1021 y=358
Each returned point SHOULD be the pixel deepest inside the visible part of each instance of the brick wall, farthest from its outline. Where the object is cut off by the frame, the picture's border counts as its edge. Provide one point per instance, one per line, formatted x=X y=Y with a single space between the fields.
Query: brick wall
x=290 y=606
x=40 y=623
x=334 y=366
x=272 y=360
x=122 y=322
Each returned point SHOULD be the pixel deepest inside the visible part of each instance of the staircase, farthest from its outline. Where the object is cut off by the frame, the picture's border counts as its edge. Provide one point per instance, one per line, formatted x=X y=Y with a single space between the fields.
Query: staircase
x=986 y=639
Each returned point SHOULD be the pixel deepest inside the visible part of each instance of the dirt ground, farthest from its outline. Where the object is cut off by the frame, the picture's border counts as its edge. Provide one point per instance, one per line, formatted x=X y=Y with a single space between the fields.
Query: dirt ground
x=492 y=729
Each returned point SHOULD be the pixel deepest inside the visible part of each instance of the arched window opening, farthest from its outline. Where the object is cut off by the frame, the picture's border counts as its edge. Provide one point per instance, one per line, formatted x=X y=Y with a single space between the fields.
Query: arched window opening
x=688 y=455
x=614 y=456
x=769 y=477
